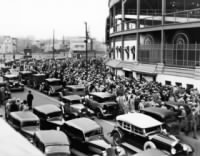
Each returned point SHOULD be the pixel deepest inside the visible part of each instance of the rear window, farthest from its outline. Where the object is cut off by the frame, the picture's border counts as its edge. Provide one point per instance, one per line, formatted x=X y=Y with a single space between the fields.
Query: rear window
x=30 y=123
x=55 y=83
x=153 y=129
x=76 y=101
x=55 y=114
x=94 y=133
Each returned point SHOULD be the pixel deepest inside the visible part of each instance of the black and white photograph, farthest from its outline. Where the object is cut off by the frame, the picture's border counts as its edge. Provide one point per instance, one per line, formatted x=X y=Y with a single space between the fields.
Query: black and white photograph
x=100 y=78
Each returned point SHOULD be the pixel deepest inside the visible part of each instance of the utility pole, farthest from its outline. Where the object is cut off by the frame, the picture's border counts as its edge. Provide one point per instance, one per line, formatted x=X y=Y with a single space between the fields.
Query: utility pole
x=64 y=48
x=53 y=46
x=86 y=49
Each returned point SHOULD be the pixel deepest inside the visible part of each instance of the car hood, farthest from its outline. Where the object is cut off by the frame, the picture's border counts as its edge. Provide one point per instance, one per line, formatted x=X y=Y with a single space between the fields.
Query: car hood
x=58 y=151
x=112 y=103
x=56 y=87
x=165 y=138
x=78 y=106
x=30 y=130
x=101 y=143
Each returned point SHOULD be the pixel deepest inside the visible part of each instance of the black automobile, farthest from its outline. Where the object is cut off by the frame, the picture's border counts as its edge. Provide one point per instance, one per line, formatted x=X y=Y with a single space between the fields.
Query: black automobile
x=36 y=80
x=72 y=90
x=52 y=143
x=4 y=85
x=73 y=107
x=51 y=86
x=14 y=83
x=50 y=116
x=25 y=122
x=145 y=132
x=168 y=117
x=25 y=76
x=103 y=104
x=86 y=138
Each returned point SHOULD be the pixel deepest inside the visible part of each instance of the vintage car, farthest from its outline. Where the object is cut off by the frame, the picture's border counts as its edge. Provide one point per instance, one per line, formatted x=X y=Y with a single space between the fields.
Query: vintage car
x=50 y=116
x=5 y=69
x=145 y=132
x=51 y=86
x=73 y=107
x=103 y=104
x=25 y=122
x=25 y=76
x=36 y=80
x=72 y=90
x=152 y=152
x=168 y=117
x=11 y=106
x=13 y=82
x=6 y=89
x=52 y=143
x=86 y=138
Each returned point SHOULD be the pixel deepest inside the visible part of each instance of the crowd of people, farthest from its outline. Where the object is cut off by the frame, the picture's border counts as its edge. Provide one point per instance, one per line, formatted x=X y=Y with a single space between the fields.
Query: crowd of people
x=131 y=94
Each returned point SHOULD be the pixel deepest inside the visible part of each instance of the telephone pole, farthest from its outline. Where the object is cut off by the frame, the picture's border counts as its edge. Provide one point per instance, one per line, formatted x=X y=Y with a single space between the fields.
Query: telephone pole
x=86 y=48
x=53 y=49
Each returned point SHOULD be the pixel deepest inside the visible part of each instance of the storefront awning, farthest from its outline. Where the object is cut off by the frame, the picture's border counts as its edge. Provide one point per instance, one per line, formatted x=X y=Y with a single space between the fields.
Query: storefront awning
x=127 y=66
x=113 y=63
x=145 y=68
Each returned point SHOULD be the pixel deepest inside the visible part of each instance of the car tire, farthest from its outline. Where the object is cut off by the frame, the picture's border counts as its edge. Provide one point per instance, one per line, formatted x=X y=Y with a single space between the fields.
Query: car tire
x=149 y=145
x=99 y=114
x=117 y=139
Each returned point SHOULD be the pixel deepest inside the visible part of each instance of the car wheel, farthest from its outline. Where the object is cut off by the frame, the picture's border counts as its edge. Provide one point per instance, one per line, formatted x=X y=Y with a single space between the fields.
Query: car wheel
x=149 y=145
x=99 y=114
x=117 y=139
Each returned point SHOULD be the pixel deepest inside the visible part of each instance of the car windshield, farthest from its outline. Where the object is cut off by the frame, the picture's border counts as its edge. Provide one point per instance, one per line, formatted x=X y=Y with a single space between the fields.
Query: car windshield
x=30 y=123
x=94 y=133
x=154 y=129
x=107 y=99
x=55 y=114
x=55 y=83
x=75 y=102
x=12 y=78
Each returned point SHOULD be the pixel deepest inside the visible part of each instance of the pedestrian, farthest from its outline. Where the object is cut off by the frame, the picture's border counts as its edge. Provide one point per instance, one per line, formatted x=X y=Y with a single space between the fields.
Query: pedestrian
x=194 y=121
x=30 y=98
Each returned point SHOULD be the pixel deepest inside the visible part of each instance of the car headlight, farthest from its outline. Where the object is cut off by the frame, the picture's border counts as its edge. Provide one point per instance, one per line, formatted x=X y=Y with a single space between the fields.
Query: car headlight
x=104 y=153
x=118 y=149
x=187 y=148
x=173 y=151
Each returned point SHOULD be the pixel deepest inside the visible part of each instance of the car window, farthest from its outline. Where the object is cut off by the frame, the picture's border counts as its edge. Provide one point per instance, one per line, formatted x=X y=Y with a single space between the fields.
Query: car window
x=94 y=132
x=80 y=90
x=69 y=89
x=75 y=133
x=30 y=123
x=127 y=126
x=153 y=129
x=55 y=83
x=55 y=114
x=138 y=130
x=15 y=122
x=75 y=101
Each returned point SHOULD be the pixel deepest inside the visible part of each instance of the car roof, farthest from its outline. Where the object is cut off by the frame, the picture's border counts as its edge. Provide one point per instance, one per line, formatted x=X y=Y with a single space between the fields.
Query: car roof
x=83 y=124
x=52 y=79
x=76 y=86
x=162 y=112
x=39 y=74
x=101 y=94
x=25 y=72
x=153 y=152
x=72 y=97
x=24 y=116
x=52 y=137
x=47 y=108
x=11 y=75
x=138 y=119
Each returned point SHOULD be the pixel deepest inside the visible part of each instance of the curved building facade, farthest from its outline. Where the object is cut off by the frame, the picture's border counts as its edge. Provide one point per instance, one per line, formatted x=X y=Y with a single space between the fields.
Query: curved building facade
x=155 y=39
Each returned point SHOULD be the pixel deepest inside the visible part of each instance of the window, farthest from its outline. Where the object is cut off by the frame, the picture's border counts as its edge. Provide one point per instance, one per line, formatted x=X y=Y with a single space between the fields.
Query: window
x=74 y=133
x=138 y=130
x=168 y=82
x=15 y=122
x=120 y=123
x=178 y=84
x=127 y=126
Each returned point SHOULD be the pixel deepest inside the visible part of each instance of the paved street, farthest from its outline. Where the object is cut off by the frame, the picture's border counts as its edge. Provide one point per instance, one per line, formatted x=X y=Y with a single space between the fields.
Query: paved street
x=108 y=125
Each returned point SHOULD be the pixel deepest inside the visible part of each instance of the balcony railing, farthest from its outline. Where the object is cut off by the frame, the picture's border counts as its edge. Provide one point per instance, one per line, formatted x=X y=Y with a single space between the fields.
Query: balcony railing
x=187 y=56
x=155 y=20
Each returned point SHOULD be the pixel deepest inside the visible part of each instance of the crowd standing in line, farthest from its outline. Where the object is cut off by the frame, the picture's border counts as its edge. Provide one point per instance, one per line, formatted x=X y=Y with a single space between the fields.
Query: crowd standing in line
x=131 y=94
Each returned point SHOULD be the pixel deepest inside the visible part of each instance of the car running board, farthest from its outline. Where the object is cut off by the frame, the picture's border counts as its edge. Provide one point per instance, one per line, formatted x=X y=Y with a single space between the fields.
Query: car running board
x=131 y=147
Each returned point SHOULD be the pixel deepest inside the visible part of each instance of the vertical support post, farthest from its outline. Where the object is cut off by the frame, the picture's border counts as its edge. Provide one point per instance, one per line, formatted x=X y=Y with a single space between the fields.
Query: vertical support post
x=162 y=31
x=53 y=49
x=137 y=27
x=86 y=49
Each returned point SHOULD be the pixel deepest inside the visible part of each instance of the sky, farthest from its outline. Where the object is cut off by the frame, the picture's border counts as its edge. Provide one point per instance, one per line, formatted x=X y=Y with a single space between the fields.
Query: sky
x=38 y=18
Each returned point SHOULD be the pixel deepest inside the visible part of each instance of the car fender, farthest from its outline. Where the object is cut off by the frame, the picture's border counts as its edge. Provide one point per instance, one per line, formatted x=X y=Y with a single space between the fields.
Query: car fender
x=117 y=130
x=149 y=144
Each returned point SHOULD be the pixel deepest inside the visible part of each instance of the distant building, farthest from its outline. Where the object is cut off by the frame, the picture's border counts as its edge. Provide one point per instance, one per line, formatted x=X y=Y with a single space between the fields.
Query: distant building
x=7 y=44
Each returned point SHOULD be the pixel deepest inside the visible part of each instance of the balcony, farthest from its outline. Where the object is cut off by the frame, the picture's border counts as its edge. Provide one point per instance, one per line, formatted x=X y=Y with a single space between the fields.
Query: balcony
x=152 y=18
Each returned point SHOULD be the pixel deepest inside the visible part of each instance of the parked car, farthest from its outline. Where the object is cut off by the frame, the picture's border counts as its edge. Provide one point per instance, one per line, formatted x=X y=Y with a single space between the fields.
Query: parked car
x=36 y=80
x=50 y=116
x=152 y=152
x=25 y=76
x=51 y=86
x=25 y=122
x=5 y=69
x=146 y=133
x=103 y=104
x=86 y=138
x=73 y=107
x=168 y=117
x=13 y=82
x=11 y=106
x=52 y=143
x=4 y=85
x=72 y=90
